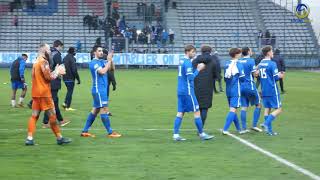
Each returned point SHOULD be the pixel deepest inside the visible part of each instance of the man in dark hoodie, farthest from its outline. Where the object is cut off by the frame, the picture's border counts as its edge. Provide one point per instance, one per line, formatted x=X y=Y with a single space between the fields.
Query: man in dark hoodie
x=257 y=61
x=215 y=54
x=278 y=59
x=111 y=77
x=55 y=59
x=69 y=78
x=204 y=81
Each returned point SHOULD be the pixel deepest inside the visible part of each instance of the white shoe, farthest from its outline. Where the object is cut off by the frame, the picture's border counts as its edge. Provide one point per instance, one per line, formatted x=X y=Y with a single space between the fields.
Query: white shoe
x=244 y=131
x=225 y=132
x=256 y=129
x=264 y=127
x=70 y=109
x=205 y=136
x=178 y=138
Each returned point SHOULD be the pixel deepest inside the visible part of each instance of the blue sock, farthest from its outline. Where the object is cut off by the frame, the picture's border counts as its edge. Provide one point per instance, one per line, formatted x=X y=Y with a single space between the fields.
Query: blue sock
x=199 y=125
x=265 y=119
x=177 y=124
x=90 y=119
x=243 y=115
x=256 y=116
x=106 y=122
x=269 y=122
x=236 y=122
x=229 y=120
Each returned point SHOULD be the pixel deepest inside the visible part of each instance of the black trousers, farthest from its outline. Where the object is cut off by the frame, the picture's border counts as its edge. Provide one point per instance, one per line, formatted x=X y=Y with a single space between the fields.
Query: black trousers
x=258 y=82
x=220 y=85
x=68 y=98
x=54 y=94
x=203 y=114
x=281 y=84
x=108 y=90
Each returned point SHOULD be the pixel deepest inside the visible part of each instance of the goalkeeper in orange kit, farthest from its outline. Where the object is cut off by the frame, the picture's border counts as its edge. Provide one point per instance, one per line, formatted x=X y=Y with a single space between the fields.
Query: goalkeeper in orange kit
x=41 y=95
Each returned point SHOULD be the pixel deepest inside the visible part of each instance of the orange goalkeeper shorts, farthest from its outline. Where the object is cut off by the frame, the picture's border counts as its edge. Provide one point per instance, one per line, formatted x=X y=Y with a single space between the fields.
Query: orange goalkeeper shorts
x=42 y=103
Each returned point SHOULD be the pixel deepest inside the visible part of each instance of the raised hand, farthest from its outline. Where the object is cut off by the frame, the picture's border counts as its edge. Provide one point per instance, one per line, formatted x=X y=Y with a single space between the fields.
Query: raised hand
x=110 y=56
x=201 y=66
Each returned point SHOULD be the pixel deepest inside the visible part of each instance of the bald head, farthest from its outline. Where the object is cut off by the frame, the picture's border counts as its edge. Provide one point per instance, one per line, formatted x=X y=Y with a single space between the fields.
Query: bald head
x=44 y=48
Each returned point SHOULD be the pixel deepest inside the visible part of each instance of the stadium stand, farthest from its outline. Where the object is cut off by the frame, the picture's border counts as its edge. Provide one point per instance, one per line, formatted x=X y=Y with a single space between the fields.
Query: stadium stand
x=128 y=8
x=54 y=20
x=294 y=38
x=220 y=23
x=221 y=20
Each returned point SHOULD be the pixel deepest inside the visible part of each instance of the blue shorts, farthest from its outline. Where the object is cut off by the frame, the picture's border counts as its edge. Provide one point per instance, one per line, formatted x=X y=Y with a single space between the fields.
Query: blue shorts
x=100 y=100
x=249 y=97
x=18 y=85
x=187 y=103
x=234 y=102
x=272 y=102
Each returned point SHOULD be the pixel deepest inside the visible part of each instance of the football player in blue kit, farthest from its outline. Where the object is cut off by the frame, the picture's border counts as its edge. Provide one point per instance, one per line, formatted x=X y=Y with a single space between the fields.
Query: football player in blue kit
x=249 y=92
x=233 y=74
x=99 y=68
x=187 y=101
x=269 y=75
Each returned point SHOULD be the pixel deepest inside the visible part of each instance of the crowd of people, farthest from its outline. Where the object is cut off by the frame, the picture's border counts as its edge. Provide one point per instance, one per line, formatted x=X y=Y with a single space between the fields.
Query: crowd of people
x=18 y=4
x=148 y=12
x=167 y=5
x=266 y=38
x=115 y=26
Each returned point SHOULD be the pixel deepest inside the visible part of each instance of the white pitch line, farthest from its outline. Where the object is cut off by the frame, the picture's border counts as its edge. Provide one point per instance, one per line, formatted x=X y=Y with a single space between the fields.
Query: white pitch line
x=245 y=142
x=275 y=157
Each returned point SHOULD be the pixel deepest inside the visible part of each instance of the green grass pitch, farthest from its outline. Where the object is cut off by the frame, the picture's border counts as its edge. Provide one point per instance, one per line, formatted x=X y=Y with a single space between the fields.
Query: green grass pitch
x=146 y=99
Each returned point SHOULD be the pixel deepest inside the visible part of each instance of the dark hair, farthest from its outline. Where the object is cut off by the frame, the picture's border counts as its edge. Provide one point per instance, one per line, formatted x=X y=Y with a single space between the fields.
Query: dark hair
x=25 y=55
x=245 y=51
x=105 y=51
x=234 y=51
x=71 y=50
x=206 y=48
x=277 y=52
x=95 y=48
x=265 y=50
x=91 y=54
x=188 y=48
x=57 y=43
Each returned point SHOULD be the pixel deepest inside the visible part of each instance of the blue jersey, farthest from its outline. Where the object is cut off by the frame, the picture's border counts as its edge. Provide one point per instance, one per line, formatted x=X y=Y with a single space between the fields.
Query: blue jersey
x=268 y=77
x=249 y=67
x=186 y=77
x=233 y=82
x=99 y=81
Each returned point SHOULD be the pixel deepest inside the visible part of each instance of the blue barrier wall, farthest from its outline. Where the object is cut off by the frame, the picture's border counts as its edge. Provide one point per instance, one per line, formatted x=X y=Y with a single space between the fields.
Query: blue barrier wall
x=149 y=59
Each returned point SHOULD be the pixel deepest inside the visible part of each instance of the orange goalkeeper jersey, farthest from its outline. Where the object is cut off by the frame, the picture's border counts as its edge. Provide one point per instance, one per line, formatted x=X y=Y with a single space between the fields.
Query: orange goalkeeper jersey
x=41 y=77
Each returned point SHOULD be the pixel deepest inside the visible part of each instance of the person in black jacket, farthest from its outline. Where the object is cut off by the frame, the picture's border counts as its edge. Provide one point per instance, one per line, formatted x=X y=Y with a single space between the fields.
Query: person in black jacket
x=219 y=78
x=203 y=83
x=55 y=59
x=17 y=79
x=111 y=77
x=257 y=61
x=69 y=78
x=278 y=59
